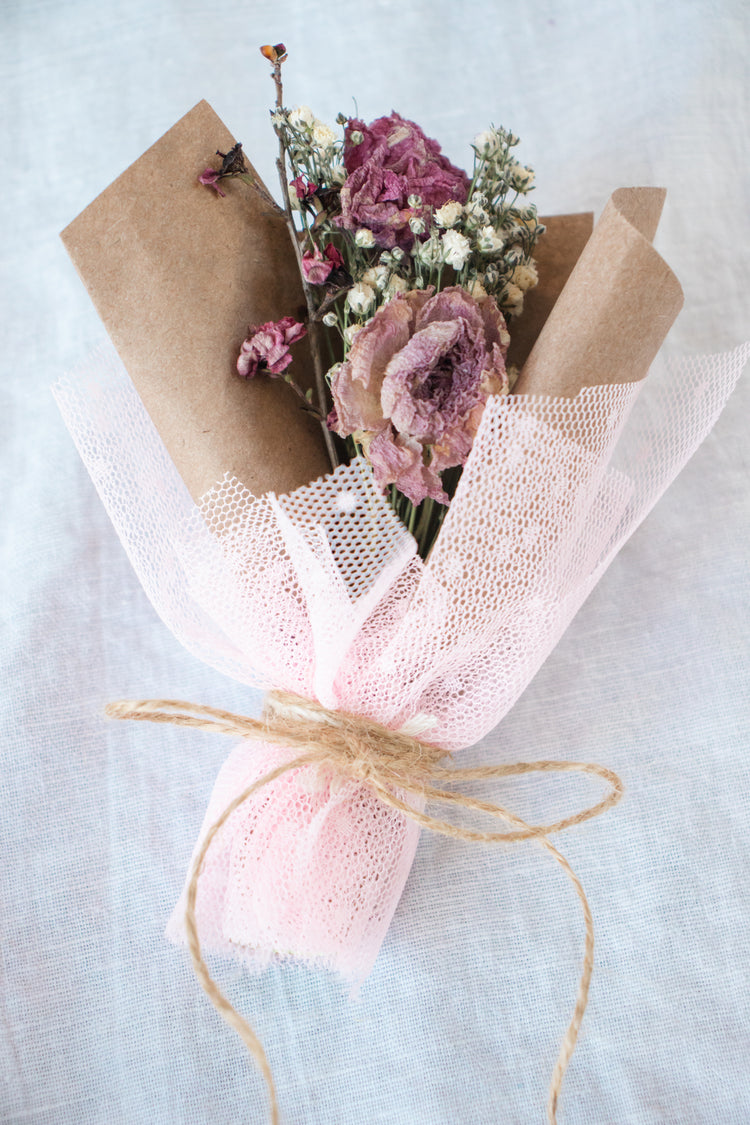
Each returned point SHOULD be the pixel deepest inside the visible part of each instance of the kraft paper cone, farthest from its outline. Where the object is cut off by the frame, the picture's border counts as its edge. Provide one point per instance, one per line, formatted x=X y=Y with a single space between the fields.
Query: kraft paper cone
x=178 y=274
x=555 y=254
x=616 y=308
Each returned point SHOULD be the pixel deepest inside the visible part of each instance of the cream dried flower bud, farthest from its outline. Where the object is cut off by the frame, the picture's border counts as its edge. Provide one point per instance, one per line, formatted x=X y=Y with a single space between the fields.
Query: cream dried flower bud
x=364 y=238
x=417 y=224
x=330 y=320
x=376 y=277
x=485 y=142
x=430 y=253
x=397 y=254
x=323 y=137
x=360 y=297
x=456 y=249
x=302 y=117
x=489 y=241
x=476 y=214
x=338 y=174
x=356 y=137
x=476 y=289
x=414 y=201
x=522 y=178
x=351 y=332
x=449 y=214
x=512 y=299
x=395 y=285
x=525 y=276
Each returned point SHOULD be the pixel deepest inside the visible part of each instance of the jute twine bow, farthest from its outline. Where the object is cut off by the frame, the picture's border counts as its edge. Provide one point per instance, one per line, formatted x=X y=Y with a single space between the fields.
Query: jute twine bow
x=386 y=760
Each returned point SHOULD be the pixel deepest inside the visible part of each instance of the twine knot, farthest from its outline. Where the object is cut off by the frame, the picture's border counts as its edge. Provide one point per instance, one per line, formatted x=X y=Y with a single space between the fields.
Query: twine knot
x=353 y=745
x=391 y=762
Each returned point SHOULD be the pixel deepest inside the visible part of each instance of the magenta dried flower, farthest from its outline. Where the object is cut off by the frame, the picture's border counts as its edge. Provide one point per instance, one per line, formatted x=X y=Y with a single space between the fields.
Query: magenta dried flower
x=316 y=266
x=210 y=178
x=392 y=160
x=303 y=187
x=414 y=385
x=267 y=347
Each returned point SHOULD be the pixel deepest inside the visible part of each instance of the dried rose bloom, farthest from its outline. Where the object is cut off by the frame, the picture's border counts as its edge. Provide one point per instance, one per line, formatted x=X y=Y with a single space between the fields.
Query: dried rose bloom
x=413 y=387
x=267 y=347
x=392 y=161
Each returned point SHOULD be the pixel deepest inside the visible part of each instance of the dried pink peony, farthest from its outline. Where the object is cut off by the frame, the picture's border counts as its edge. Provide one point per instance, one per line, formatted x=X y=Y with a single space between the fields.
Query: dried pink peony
x=267 y=347
x=394 y=160
x=414 y=385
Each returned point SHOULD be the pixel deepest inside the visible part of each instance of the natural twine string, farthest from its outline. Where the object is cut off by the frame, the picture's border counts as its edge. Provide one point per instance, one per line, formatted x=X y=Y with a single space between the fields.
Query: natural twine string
x=384 y=759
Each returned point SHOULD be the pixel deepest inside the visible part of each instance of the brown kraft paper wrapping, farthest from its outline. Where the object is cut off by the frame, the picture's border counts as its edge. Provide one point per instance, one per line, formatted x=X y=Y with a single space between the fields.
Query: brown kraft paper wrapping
x=555 y=254
x=616 y=308
x=177 y=275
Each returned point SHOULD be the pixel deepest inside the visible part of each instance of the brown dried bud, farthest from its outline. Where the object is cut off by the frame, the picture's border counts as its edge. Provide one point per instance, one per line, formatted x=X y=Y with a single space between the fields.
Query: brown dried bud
x=275 y=54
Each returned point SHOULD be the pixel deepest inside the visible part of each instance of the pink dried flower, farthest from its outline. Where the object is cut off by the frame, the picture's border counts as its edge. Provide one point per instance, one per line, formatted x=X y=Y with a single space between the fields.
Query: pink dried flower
x=393 y=160
x=414 y=385
x=316 y=266
x=267 y=347
x=232 y=164
x=303 y=188
x=210 y=178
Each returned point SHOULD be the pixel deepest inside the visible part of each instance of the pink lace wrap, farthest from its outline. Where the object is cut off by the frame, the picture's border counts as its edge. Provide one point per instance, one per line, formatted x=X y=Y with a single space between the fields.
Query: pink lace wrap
x=321 y=593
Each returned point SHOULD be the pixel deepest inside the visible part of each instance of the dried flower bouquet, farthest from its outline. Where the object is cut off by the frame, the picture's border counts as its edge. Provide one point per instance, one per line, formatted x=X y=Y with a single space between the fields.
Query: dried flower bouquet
x=498 y=462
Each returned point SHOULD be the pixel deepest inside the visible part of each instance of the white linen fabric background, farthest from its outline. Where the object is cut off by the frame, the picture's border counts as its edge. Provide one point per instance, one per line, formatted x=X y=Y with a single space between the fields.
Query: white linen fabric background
x=102 y=1020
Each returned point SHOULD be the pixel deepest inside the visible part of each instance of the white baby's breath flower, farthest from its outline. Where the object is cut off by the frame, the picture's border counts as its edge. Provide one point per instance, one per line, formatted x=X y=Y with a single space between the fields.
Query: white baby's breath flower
x=485 y=142
x=525 y=276
x=449 y=214
x=429 y=253
x=522 y=178
x=322 y=136
x=476 y=213
x=360 y=297
x=488 y=240
x=364 y=238
x=302 y=117
x=456 y=249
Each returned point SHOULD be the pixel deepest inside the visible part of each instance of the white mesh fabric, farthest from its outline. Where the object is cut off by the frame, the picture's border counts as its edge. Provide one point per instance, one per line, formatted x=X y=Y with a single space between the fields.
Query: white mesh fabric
x=321 y=593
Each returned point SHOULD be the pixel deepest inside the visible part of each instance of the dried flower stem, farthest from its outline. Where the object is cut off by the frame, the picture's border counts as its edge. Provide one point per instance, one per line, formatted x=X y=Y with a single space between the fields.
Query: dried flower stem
x=314 y=332
x=261 y=190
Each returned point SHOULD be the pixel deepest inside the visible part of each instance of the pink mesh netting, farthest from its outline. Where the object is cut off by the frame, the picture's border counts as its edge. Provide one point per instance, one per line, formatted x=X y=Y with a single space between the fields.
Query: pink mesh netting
x=321 y=593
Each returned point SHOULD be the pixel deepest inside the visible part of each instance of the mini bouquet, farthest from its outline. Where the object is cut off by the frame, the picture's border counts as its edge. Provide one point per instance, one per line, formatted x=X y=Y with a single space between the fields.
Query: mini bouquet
x=382 y=502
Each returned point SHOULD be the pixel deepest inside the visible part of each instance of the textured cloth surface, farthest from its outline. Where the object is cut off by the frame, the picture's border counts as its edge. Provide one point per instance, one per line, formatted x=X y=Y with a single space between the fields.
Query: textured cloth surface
x=462 y=1014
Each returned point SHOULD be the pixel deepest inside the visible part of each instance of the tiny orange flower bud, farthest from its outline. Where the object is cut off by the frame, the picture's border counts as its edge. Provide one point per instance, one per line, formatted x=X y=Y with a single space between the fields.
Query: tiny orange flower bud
x=275 y=54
